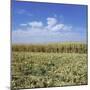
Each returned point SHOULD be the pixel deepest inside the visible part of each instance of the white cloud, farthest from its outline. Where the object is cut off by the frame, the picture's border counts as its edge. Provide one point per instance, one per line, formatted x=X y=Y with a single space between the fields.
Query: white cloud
x=54 y=25
x=23 y=24
x=45 y=37
x=58 y=27
x=38 y=32
x=36 y=24
x=51 y=21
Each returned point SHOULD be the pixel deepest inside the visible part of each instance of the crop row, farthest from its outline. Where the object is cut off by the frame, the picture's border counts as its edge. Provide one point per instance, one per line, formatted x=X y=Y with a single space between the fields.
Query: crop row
x=58 y=47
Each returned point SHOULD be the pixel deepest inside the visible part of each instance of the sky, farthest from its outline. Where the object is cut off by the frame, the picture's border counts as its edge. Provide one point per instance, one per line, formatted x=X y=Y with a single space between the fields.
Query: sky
x=48 y=22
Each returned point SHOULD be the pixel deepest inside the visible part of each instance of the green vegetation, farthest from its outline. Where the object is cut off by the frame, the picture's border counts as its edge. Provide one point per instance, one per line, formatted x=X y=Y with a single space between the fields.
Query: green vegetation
x=48 y=68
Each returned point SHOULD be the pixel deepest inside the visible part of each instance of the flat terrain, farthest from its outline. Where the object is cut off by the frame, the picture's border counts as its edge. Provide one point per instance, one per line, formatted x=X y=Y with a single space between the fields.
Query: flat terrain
x=42 y=69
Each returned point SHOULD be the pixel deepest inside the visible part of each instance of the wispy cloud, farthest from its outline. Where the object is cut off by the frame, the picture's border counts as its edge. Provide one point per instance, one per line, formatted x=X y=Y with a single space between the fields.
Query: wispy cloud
x=36 y=24
x=24 y=12
x=21 y=11
x=23 y=24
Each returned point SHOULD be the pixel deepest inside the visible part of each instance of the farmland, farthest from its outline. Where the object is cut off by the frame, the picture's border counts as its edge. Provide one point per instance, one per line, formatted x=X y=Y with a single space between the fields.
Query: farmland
x=69 y=47
x=52 y=65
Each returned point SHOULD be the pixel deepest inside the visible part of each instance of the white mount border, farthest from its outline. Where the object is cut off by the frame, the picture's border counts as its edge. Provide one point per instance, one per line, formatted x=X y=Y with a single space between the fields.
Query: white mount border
x=81 y=2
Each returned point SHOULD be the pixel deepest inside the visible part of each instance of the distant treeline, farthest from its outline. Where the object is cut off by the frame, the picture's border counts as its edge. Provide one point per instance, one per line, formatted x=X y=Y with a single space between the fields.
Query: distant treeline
x=57 y=48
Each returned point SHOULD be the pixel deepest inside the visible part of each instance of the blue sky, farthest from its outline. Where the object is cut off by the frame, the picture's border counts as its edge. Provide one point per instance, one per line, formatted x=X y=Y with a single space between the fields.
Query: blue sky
x=45 y=22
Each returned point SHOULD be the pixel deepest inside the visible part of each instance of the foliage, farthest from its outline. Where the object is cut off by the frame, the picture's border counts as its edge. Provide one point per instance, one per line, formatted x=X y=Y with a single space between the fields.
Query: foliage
x=54 y=47
x=38 y=69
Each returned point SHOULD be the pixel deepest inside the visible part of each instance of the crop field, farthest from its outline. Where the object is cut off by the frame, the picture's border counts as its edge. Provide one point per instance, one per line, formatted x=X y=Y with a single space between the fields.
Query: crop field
x=50 y=68
x=69 y=47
